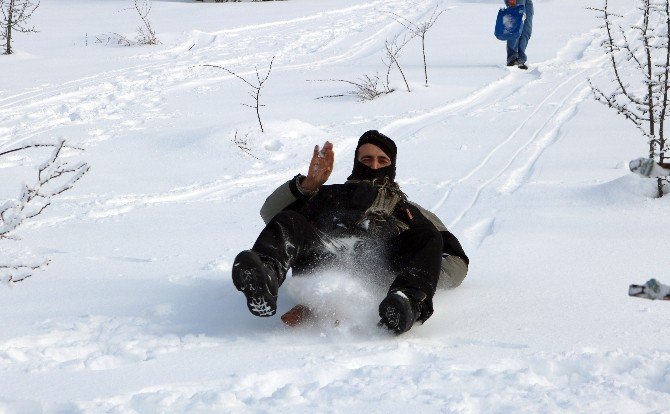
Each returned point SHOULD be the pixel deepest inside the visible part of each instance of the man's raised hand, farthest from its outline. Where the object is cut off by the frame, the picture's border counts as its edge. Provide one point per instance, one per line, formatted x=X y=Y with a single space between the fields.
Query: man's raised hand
x=319 y=168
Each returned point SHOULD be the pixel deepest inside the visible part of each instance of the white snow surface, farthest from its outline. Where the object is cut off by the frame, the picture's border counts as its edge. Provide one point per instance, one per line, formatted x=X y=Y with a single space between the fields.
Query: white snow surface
x=136 y=313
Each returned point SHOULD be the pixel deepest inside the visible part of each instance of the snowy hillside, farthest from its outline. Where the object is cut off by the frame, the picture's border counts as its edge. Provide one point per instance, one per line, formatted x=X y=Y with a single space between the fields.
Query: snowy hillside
x=136 y=311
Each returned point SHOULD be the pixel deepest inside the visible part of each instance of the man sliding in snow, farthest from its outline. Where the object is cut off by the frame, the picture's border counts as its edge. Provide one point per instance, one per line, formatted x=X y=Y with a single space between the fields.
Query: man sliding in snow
x=366 y=224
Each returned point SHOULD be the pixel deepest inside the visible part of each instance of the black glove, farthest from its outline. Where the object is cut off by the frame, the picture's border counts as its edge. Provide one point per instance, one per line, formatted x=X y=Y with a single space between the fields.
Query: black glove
x=409 y=214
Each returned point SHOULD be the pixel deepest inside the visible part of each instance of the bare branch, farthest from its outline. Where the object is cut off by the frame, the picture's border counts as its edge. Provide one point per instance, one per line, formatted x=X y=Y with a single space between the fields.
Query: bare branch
x=256 y=88
x=393 y=50
x=54 y=176
x=29 y=146
x=664 y=82
x=420 y=30
x=611 y=50
x=243 y=144
x=367 y=88
x=10 y=274
x=610 y=101
x=232 y=73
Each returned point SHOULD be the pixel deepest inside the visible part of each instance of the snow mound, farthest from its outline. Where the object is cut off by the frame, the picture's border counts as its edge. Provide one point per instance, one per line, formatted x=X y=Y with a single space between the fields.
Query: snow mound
x=628 y=187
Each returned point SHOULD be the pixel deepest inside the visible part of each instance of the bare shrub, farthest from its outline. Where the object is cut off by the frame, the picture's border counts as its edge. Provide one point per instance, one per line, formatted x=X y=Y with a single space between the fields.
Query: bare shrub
x=420 y=30
x=113 y=39
x=54 y=176
x=366 y=88
x=146 y=35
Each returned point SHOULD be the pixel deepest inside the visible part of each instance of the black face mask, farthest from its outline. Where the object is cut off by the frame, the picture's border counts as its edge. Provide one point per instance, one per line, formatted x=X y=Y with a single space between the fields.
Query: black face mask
x=363 y=172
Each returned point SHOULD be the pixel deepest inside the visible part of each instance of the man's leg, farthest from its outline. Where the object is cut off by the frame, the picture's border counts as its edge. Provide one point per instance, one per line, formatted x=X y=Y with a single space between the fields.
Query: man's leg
x=286 y=238
x=417 y=259
x=512 y=51
x=259 y=272
x=526 y=32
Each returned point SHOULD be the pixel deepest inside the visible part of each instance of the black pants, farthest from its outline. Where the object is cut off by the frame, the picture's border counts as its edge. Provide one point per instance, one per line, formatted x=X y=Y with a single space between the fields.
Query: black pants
x=414 y=256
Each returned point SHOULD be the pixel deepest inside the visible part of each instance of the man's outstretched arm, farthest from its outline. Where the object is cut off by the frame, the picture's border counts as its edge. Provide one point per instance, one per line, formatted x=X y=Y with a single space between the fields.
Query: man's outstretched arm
x=320 y=168
x=300 y=187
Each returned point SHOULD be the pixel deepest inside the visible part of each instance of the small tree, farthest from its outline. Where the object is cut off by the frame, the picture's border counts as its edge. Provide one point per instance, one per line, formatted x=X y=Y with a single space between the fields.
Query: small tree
x=15 y=15
x=146 y=35
x=640 y=62
x=256 y=88
x=420 y=30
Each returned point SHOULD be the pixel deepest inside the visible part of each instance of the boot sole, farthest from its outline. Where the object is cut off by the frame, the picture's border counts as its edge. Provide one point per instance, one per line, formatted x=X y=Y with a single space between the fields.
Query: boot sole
x=395 y=314
x=248 y=278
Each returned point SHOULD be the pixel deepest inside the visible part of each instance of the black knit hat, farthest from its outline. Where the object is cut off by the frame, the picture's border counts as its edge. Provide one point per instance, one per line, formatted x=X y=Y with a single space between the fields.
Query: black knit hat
x=385 y=143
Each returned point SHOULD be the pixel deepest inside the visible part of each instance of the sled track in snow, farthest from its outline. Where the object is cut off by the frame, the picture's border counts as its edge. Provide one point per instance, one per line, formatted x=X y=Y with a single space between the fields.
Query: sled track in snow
x=524 y=144
x=216 y=190
x=492 y=177
x=179 y=68
x=55 y=90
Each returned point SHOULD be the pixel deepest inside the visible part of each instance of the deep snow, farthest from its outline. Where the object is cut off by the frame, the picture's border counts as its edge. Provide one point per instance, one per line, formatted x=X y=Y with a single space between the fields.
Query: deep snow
x=137 y=312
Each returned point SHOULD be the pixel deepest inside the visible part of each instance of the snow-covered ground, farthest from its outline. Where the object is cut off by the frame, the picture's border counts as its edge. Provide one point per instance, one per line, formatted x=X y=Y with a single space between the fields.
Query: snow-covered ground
x=137 y=312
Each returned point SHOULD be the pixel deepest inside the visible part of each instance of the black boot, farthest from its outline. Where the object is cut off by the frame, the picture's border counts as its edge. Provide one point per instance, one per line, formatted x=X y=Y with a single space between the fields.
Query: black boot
x=400 y=309
x=257 y=278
